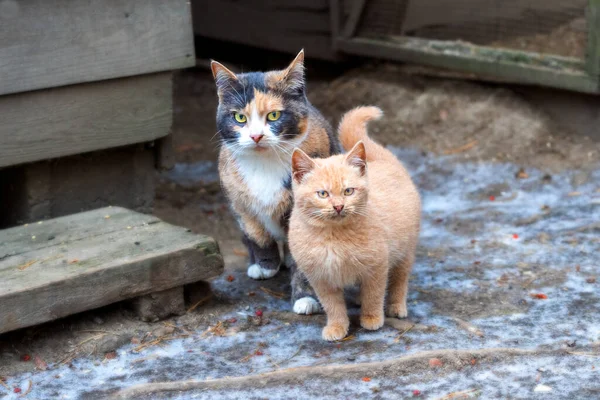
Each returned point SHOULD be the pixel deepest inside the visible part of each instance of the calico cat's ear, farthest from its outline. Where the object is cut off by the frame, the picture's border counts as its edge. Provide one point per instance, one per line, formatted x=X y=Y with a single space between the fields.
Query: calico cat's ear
x=302 y=164
x=293 y=75
x=223 y=76
x=357 y=157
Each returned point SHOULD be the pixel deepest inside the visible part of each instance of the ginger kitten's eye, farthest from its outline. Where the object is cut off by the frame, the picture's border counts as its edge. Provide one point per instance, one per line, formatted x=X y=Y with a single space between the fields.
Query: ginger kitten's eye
x=274 y=115
x=241 y=118
x=322 y=194
x=348 y=192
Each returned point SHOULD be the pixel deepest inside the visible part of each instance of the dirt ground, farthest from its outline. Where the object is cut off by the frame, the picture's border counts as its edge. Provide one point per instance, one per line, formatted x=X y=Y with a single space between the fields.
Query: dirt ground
x=505 y=261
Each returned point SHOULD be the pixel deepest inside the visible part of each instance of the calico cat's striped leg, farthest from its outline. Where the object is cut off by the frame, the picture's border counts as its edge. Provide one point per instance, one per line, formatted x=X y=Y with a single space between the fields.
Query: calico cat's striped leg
x=262 y=248
x=266 y=261
x=304 y=299
x=248 y=243
x=288 y=260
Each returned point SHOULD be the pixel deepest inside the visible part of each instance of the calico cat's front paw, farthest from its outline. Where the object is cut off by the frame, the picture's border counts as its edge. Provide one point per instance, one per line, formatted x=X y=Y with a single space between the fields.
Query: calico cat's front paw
x=255 y=271
x=307 y=306
x=335 y=331
x=397 y=310
x=371 y=322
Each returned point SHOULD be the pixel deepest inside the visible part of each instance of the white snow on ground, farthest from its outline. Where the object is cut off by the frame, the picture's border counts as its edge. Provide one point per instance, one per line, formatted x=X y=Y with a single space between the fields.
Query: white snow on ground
x=546 y=252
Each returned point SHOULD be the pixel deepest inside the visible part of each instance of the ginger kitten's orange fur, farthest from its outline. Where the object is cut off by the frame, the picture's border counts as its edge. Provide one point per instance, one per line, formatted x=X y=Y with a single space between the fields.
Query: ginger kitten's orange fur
x=356 y=219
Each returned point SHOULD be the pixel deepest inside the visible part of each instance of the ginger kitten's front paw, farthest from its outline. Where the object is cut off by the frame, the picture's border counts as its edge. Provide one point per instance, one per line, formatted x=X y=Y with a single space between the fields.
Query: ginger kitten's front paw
x=333 y=332
x=255 y=271
x=371 y=322
x=397 y=310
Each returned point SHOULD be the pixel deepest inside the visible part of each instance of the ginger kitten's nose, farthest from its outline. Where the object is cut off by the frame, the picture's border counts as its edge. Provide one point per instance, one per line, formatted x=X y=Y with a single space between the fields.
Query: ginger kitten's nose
x=338 y=208
x=257 y=138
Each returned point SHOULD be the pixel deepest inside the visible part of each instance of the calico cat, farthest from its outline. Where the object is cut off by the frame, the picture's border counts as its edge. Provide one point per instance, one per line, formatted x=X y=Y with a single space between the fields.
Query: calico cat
x=356 y=219
x=261 y=118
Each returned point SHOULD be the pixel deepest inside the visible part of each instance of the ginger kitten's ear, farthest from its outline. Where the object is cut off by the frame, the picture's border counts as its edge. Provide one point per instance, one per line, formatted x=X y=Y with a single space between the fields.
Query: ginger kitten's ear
x=293 y=77
x=302 y=164
x=357 y=157
x=223 y=76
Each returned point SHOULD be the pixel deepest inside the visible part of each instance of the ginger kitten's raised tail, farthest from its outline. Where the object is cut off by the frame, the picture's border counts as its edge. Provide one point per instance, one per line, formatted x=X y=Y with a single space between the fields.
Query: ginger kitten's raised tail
x=353 y=129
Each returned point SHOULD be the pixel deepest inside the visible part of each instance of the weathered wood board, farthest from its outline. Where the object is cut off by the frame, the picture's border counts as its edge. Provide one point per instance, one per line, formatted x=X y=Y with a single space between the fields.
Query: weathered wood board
x=84 y=261
x=440 y=13
x=482 y=67
x=285 y=26
x=75 y=119
x=54 y=43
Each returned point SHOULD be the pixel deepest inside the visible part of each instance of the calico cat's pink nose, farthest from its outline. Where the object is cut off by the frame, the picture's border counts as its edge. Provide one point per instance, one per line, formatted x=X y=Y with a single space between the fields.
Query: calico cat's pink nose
x=257 y=138
x=338 y=208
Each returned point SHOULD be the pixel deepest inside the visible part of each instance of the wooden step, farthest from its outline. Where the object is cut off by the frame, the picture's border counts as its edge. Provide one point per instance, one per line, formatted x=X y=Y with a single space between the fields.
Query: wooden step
x=59 y=267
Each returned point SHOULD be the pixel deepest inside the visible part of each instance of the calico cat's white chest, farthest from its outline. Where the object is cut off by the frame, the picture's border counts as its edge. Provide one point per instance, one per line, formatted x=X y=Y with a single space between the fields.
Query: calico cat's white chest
x=264 y=178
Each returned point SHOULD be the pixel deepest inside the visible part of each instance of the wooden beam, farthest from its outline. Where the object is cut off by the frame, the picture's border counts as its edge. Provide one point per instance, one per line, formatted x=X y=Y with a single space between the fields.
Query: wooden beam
x=62 y=42
x=353 y=19
x=280 y=29
x=593 y=44
x=504 y=70
x=89 y=260
x=335 y=14
x=75 y=119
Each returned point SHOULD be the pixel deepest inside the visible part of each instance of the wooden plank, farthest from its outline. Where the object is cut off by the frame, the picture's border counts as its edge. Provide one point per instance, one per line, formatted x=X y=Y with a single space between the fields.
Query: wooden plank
x=54 y=43
x=291 y=5
x=274 y=29
x=439 y=13
x=510 y=72
x=165 y=154
x=75 y=119
x=98 y=267
x=353 y=19
x=592 y=58
x=335 y=15
x=45 y=234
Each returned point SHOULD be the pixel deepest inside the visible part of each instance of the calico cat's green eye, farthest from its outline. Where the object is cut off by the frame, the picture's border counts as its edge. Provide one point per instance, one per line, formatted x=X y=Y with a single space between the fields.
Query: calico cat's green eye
x=348 y=192
x=322 y=194
x=274 y=115
x=241 y=118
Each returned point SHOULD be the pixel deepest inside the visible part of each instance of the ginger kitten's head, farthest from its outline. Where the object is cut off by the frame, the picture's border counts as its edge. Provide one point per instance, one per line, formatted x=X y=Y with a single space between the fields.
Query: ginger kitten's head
x=332 y=190
x=261 y=111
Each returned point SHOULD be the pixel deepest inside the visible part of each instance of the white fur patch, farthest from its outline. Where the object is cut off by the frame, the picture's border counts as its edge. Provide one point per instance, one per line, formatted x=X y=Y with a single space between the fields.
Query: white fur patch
x=307 y=306
x=264 y=174
x=255 y=271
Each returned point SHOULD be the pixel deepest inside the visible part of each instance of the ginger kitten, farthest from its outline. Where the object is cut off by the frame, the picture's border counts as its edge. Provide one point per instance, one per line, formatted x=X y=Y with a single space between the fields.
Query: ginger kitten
x=356 y=219
x=261 y=118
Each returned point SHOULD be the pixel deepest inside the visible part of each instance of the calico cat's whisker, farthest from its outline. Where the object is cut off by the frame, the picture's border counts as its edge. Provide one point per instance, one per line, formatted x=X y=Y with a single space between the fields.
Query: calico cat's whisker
x=213 y=136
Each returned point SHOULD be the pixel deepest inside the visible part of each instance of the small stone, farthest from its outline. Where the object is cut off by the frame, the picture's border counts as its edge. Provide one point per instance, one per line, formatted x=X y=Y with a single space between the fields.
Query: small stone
x=542 y=388
x=591 y=279
x=110 y=343
x=163 y=331
x=351 y=358
x=547 y=178
x=137 y=243
x=51 y=237
x=521 y=174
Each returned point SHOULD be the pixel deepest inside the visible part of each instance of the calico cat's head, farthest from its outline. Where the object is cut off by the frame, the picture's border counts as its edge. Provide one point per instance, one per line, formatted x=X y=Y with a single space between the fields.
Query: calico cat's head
x=332 y=190
x=262 y=111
